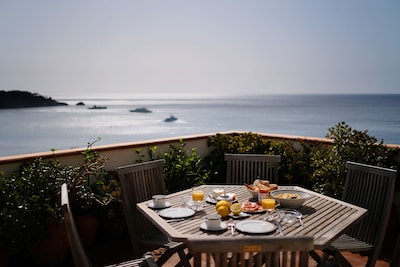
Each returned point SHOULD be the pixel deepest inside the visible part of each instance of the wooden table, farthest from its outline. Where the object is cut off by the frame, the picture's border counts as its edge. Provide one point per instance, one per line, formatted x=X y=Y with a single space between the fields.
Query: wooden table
x=324 y=217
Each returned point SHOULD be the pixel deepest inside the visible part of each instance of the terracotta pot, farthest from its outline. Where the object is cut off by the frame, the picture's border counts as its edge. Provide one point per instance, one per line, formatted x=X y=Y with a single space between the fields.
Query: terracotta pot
x=54 y=249
x=87 y=227
x=114 y=227
x=4 y=258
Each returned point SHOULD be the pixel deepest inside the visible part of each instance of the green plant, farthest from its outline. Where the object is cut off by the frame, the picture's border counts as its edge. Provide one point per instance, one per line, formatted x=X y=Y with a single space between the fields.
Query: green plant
x=83 y=178
x=329 y=164
x=315 y=165
x=182 y=169
x=29 y=201
x=295 y=166
x=249 y=143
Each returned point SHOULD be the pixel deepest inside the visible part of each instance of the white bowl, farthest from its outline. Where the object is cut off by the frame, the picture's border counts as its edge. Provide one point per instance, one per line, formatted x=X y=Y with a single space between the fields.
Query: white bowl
x=292 y=203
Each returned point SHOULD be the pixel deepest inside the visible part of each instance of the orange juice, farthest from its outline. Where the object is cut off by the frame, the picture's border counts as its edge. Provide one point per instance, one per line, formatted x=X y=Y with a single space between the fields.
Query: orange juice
x=268 y=203
x=197 y=195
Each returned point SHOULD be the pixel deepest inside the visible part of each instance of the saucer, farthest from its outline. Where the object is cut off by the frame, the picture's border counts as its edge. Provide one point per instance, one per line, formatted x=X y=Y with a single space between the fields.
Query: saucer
x=241 y=215
x=227 y=197
x=167 y=205
x=223 y=226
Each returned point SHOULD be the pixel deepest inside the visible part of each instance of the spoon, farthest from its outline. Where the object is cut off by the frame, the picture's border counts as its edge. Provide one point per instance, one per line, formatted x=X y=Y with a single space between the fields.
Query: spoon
x=299 y=216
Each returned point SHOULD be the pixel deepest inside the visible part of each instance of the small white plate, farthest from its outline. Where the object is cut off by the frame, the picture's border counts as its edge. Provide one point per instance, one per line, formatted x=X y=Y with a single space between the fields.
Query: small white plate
x=167 y=205
x=175 y=213
x=255 y=227
x=227 y=197
x=214 y=201
x=241 y=215
x=223 y=226
x=211 y=200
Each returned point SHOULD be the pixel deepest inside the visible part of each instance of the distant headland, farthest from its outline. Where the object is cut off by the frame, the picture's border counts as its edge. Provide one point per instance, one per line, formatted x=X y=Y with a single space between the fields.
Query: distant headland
x=23 y=99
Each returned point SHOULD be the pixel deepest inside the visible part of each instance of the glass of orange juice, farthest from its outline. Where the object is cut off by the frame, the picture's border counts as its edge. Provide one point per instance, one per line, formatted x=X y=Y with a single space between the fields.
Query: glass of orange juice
x=198 y=197
x=268 y=204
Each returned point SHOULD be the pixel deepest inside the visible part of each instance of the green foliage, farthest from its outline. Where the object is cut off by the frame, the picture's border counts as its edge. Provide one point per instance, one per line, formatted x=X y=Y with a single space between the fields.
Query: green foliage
x=30 y=197
x=183 y=169
x=295 y=166
x=315 y=165
x=29 y=200
x=234 y=143
x=349 y=145
x=86 y=178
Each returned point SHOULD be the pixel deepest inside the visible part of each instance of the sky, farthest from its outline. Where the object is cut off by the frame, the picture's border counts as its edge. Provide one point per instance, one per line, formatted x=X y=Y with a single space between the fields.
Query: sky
x=208 y=47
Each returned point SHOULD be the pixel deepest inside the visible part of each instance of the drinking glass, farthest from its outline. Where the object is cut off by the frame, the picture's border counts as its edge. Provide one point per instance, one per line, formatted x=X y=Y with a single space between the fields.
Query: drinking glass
x=198 y=197
x=268 y=204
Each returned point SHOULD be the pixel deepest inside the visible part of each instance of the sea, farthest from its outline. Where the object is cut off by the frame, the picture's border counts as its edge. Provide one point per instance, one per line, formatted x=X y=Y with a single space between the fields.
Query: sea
x=30 y=130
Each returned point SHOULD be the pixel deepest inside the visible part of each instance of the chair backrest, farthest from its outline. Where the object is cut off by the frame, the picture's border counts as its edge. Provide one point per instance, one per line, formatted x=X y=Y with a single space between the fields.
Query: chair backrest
x=372 y=188
x=254 y=251
x=139 y=182
x=75 y=243
x=245 y=168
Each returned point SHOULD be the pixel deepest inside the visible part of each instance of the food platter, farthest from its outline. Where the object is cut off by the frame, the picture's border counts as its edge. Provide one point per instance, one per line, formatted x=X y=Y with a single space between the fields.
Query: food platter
x=252 y=207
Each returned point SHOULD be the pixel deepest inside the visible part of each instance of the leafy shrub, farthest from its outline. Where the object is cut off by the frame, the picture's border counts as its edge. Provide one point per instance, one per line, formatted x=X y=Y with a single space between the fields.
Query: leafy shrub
x=29 y=199
x=182 y=169
x=329 y=164
x=314 y=165
x=232 y=143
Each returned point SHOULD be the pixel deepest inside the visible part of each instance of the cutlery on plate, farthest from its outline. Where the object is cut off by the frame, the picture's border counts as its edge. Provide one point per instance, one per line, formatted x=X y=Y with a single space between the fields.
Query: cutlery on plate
x=299 y=216
x=175 y=220
x=278 y=224
x=232 y=226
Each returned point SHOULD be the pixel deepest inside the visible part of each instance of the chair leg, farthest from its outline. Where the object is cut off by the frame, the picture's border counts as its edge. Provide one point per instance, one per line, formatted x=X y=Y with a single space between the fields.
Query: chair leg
x=184 y=259
x=325 y=257
x=341 y=259
x=315 y=256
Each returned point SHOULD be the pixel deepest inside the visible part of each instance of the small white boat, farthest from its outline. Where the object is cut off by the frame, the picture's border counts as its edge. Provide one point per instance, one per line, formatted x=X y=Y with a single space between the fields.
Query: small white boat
x=171 y=118
x=97 y=107
x=141 y=110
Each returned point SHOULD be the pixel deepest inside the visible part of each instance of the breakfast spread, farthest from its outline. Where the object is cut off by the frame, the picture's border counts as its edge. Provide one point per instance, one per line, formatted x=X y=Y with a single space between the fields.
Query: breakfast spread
x=288 y=196
x=262 y=186
x=250 y=207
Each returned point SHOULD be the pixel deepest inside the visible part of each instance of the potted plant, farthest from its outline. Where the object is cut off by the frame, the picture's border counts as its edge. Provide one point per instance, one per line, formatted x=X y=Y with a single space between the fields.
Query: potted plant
x=107 y=192
x=30 y=214
x=80 y=180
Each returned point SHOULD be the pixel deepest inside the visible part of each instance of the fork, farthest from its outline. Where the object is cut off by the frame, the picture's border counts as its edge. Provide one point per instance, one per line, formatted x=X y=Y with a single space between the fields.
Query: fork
x=232 y=226
x=278 y=224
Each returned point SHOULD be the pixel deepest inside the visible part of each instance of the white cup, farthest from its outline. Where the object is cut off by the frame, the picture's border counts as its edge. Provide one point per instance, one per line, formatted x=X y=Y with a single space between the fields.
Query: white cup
x=159 y=201
x=213 y=221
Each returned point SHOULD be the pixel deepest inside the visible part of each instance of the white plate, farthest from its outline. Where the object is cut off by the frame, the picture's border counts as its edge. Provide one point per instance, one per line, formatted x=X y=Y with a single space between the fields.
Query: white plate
x=214 y=201
x=255 y=226
x=241 y=215
x=211 y=200
x=167 y=205
x=222 y=227
x=227 y=197
x=174 y=213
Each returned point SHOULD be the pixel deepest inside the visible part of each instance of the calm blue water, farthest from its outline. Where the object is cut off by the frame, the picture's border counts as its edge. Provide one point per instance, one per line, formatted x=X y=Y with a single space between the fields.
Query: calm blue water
x=41 y=129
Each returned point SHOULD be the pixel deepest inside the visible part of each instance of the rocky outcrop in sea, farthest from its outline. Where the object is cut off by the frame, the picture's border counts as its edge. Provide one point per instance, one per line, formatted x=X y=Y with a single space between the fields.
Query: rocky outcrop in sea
x=23 y=99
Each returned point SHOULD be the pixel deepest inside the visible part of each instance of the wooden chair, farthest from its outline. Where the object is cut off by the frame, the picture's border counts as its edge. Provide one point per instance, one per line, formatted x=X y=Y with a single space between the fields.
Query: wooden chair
x=245 y=168
x=372 y=188
x=139 y=182
x=77 y=248
x=251 y=251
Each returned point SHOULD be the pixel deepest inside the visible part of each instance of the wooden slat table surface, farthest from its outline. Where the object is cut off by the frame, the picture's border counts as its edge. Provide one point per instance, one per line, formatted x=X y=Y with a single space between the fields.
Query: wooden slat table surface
x=324 y=217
